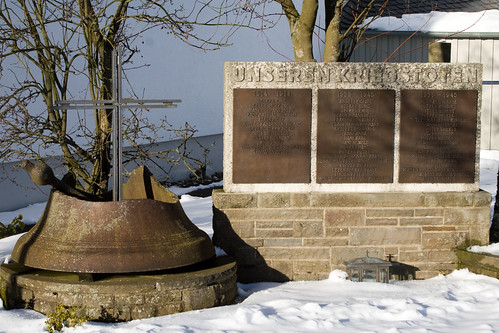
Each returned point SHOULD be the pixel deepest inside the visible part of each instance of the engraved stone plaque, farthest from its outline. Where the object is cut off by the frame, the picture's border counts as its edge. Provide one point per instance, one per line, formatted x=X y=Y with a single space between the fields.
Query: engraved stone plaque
x=271 y=135
x=355 y=135
x=437 y=136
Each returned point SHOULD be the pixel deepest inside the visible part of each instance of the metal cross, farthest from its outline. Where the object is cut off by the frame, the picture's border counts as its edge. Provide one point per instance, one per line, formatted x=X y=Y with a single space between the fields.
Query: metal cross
x=117 y=103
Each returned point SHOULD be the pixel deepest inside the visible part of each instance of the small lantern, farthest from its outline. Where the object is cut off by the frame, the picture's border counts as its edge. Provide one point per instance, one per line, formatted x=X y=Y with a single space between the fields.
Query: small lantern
x=368 y=269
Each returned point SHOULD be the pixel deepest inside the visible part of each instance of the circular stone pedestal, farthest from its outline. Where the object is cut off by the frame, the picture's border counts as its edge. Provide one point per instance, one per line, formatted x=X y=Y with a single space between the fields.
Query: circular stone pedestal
x=119 y=297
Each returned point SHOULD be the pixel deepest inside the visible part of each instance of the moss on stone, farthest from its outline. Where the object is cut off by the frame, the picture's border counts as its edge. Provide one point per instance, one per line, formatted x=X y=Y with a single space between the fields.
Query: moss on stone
x=479 y=263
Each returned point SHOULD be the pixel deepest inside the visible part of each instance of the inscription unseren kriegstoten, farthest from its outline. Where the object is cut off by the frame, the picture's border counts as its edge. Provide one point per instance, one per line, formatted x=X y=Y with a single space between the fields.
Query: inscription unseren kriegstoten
x=325 y=73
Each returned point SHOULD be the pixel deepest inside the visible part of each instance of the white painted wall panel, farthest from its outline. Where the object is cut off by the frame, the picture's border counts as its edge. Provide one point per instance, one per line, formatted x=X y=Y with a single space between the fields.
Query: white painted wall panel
x=475 y=51
x=487 y=60
x=462 y=51
x=494 y=121
x=486 y=128
x=453 y=47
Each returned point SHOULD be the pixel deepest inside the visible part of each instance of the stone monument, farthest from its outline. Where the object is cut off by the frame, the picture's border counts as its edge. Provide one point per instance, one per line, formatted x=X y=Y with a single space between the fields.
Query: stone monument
x=323 y=161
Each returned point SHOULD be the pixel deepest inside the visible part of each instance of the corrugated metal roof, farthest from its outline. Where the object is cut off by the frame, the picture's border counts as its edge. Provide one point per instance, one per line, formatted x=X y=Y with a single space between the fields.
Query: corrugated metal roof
x=399 y=7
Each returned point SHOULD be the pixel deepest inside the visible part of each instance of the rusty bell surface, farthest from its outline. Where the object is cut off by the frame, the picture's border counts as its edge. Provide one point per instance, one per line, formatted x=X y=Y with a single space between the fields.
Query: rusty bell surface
x=134 y=235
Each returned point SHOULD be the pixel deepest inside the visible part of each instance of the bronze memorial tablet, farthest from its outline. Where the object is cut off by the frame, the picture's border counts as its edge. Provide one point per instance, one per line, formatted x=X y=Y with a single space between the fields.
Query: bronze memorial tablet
x=438 y=136
x=272 y=134
x=355 y=136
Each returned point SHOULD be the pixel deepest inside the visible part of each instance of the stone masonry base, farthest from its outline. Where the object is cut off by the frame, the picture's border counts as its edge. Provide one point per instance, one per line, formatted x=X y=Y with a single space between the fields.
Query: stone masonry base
x=304 y=236
x=120 y=297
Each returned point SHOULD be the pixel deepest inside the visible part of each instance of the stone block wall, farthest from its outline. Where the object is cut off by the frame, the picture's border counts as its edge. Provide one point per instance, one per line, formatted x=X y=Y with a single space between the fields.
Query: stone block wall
x=304 y=236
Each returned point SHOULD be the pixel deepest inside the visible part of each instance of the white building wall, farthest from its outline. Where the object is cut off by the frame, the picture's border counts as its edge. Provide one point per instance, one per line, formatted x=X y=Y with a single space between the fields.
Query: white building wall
x=392 y=48
x=18 y=190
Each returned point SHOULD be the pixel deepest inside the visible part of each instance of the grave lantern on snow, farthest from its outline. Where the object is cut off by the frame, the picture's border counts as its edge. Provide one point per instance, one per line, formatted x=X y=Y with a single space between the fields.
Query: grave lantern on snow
x=368 y=269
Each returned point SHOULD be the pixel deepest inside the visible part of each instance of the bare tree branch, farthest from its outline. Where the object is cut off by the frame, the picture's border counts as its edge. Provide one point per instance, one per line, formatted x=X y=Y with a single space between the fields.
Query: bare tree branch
x=59 y=42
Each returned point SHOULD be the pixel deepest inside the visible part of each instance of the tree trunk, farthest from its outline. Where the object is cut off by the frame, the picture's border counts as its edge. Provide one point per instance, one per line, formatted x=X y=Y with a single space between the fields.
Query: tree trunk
x=301 y=45
x=333 y=34
x=301 y=27
x=100 y=49
x=102 y=165
x=106 y=46
x=302 y=31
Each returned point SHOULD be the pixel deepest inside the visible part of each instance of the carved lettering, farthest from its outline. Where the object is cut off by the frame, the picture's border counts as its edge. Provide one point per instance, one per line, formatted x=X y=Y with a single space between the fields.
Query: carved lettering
x=355 y=136
x=372 y=74
x=438 y=136
x=323 y=74
x=272 y=144
x=239 y=73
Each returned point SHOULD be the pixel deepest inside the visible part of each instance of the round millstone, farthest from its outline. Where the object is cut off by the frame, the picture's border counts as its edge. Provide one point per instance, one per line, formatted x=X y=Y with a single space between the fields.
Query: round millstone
x=119 y=297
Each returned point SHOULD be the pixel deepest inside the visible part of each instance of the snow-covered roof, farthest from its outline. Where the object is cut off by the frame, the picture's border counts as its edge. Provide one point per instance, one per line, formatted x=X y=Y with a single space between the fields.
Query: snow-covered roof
x=484 y=22
x=480 y=17
x=398 y=8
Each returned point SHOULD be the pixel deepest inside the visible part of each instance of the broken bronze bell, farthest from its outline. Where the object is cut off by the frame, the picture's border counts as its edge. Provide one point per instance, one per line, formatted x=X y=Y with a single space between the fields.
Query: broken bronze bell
x=147 y=231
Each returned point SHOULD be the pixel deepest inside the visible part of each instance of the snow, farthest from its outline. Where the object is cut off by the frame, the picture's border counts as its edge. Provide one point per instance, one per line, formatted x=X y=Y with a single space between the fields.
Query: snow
x=444 y=22
x=490 y=249
x=459 y=302
x=30 y=214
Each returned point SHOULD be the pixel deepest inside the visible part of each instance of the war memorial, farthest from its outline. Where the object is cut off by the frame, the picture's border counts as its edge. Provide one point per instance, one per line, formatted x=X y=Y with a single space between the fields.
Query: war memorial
x=325 y=161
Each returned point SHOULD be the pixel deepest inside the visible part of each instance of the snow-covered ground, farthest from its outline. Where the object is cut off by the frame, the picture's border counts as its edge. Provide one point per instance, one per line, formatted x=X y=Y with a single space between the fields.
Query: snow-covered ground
x=459 y=302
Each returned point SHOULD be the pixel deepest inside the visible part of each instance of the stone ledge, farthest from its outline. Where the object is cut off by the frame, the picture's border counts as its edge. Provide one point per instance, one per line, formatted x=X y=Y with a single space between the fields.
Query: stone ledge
x=423 y=201
x=479 y=263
